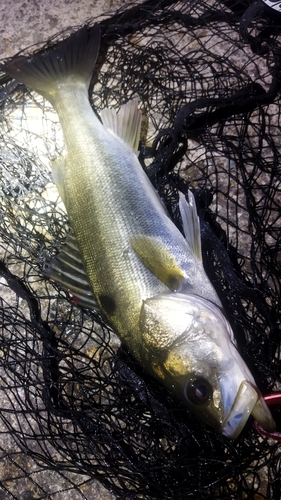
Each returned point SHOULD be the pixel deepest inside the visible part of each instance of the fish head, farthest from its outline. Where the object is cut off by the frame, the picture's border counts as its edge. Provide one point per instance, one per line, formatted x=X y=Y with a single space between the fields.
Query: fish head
x=189 y=346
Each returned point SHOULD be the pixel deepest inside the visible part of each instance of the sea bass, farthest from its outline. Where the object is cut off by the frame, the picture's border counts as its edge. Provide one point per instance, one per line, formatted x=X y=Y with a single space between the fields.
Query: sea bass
x=124 y=252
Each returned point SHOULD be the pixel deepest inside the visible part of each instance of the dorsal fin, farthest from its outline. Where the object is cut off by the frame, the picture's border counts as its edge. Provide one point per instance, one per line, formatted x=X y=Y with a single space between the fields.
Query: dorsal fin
x=126 y=124
x=191 y=223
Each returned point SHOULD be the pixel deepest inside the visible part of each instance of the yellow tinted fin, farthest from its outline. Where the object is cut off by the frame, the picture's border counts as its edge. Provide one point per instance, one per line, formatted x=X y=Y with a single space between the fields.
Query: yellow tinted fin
x=126 y=124
x=158 y=260
x=191 y=223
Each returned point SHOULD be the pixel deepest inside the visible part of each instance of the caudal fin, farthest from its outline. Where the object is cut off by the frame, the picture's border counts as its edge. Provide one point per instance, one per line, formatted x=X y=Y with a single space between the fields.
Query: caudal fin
x=71 y=59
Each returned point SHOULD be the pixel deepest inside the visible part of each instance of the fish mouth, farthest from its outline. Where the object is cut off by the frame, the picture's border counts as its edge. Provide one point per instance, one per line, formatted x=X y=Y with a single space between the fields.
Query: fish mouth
x=248 y=401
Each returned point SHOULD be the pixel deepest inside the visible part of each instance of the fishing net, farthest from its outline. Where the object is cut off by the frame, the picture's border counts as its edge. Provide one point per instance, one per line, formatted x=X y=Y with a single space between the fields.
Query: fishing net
x=75 y=407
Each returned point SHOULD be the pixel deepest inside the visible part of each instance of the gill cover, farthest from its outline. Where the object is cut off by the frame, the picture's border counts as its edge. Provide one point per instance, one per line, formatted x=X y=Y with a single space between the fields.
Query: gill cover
x=189 y=346
x=166 y=317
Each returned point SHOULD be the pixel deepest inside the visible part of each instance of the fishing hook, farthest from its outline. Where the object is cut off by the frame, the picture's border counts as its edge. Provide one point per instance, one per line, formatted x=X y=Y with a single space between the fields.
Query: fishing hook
x=270 y=399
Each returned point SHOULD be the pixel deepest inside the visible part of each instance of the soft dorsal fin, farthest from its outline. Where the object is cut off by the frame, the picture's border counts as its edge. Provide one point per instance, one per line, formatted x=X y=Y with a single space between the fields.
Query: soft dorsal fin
x=191 y=223
x=126 y=124
x=68 y=270
x=158 y=260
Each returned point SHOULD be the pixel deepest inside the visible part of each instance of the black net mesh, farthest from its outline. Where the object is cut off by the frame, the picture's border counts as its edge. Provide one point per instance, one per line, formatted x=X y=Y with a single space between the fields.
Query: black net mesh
x=73 y=402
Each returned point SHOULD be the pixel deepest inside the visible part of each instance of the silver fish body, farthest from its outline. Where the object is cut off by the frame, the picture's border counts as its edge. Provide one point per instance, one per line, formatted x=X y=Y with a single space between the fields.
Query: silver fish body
x=117 y=209
x=147 y=279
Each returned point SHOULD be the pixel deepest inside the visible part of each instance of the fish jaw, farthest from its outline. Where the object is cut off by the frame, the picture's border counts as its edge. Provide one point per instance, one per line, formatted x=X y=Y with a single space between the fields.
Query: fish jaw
x=241 y=398
x=194 y=356
x=248 y=401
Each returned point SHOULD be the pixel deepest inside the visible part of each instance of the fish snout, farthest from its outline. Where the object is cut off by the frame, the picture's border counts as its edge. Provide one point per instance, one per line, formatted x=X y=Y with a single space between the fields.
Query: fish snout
x=248 y=401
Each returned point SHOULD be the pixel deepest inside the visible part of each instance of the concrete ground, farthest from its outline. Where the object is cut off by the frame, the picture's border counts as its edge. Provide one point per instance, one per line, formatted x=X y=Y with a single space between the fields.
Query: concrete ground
x=23 y=23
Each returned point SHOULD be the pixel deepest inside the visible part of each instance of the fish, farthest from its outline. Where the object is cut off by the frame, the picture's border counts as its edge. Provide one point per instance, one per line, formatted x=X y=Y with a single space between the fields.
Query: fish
x=125 y=257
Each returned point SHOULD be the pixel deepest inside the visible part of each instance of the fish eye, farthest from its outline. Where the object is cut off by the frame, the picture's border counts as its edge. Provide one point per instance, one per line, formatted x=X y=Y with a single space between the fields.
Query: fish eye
x=198 y=391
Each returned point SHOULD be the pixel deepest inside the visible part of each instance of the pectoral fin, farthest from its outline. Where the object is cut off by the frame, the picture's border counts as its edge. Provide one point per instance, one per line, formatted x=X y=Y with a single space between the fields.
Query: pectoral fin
x=126 y=124
x=191 y=223
x=68 y=270
x=158 y=260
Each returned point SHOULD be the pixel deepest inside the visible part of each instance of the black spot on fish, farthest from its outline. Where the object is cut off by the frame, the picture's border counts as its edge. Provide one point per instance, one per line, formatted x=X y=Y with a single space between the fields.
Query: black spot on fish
x=174 y=281
x=107 y=304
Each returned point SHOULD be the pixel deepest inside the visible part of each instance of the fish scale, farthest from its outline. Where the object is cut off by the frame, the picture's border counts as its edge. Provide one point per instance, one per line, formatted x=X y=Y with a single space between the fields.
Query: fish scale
x=146 y=279
x=85 y=193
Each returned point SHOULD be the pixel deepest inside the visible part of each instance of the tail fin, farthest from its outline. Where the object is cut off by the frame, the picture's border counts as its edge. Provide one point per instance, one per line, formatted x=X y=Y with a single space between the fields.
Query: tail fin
x=73 y=59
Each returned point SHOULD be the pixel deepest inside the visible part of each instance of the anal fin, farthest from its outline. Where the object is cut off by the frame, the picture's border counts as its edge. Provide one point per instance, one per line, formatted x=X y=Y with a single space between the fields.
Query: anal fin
x=58 y=167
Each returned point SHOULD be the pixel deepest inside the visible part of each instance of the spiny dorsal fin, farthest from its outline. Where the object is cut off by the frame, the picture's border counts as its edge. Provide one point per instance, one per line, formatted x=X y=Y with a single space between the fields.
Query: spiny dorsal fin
x=68 y=270
x=191 y=223
x=158 y=260
x=126 y=124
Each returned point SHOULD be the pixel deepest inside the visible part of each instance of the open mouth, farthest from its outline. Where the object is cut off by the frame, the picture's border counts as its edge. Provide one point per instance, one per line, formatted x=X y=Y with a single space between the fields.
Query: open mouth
x=248 y=401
